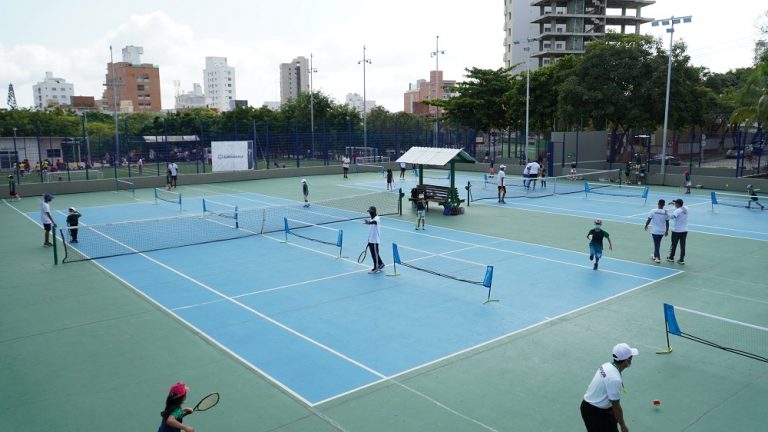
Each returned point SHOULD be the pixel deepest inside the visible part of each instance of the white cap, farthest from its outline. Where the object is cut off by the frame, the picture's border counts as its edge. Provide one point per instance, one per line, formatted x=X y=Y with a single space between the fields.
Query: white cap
x=623 y=351
x=502 y=166
x=72 y=209
x=303 y=180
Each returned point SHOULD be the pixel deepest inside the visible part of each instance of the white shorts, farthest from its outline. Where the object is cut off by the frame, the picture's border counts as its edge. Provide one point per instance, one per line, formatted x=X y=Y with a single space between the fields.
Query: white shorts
x=421 y=213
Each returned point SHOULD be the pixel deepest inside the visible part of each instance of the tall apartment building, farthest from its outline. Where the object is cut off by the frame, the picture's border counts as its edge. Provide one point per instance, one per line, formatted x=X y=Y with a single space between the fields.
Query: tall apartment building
x=219 y=82
x=52 y=91
x=565 y=27
x=192 y=99
x=355 y=101
x=294 y=79
x=135 y=84
x=423 y=90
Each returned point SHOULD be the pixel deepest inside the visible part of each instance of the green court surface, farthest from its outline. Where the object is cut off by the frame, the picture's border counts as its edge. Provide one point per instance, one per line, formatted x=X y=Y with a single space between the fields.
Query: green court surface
x=80 y=350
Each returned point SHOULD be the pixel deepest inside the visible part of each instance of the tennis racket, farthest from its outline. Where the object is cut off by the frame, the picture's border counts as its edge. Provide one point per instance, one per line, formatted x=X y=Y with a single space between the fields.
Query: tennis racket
x=206 y=403
x=363 y=255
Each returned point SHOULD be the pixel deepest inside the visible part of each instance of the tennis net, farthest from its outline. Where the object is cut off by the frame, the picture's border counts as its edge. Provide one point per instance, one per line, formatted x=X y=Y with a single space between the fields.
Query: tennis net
x=735 y=200
x=729 y=335
x=125 y=185
x=164 y=195
x=523 y=187
x=314 y=232
x=445 y=266
x=126 y=238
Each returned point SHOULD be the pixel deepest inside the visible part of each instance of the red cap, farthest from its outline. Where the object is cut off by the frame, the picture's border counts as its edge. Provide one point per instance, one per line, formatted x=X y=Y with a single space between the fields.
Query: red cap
x=179 y=389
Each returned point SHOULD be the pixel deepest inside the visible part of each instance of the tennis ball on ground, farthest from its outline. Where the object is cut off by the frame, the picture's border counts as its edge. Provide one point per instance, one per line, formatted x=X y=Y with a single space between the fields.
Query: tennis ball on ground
x=656 y=403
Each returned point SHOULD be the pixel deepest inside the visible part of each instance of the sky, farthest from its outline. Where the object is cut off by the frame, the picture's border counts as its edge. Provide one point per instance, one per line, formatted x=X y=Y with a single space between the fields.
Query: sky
x=72 y=38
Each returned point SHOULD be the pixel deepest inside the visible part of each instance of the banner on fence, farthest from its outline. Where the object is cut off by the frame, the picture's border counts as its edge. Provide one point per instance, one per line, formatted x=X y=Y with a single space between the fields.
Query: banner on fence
x=231 y=155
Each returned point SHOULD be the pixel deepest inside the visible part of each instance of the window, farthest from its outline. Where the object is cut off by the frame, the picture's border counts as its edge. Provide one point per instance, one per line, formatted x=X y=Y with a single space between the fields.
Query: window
x=140 y=87
x=53 y=153
x=560 y=46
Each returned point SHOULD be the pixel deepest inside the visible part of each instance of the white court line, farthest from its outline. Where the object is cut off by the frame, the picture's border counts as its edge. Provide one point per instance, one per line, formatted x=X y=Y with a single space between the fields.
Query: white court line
x=749 y=299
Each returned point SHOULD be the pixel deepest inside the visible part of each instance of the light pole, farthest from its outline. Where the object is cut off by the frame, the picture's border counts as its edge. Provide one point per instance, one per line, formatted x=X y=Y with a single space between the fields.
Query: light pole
x=16 y=153
x=312 y=72
x=365 y=125
x=527 y=49
x=671 y=21
x=115 y=160
x=436 y=54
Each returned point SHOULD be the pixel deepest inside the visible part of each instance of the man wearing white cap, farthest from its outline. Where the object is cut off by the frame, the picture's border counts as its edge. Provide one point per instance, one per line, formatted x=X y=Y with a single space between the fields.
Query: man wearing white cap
x=502 y=185
x=601 y=407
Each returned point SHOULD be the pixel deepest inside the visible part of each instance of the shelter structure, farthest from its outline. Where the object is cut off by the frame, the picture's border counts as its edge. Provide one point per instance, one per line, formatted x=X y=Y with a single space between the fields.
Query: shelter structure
x=438 y=157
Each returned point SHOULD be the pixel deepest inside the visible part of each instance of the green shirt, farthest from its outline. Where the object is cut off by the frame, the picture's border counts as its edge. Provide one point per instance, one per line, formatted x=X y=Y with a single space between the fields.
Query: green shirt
x=597 y=237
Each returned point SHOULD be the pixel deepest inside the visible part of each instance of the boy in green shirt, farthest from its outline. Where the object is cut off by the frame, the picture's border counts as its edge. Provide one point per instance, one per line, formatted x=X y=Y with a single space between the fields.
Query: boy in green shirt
x=596 y=236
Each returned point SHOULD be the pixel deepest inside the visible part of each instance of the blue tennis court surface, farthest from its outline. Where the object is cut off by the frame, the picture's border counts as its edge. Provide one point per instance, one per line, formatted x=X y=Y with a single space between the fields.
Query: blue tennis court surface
x=321 y=326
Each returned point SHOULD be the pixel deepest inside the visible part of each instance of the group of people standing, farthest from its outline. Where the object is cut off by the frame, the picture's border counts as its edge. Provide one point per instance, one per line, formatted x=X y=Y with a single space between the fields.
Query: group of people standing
x=658 y=221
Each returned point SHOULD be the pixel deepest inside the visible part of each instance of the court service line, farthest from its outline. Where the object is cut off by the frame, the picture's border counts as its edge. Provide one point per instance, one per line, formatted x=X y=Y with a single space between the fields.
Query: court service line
x=528 y=255
x=749 y=299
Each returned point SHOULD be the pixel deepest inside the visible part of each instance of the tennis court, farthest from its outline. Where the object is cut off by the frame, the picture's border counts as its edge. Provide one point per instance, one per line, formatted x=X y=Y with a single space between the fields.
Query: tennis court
x=327 y=346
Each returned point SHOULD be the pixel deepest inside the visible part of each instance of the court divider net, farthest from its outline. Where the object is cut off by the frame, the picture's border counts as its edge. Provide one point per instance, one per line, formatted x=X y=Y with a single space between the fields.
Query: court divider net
x=314 y=232
x=132 y=237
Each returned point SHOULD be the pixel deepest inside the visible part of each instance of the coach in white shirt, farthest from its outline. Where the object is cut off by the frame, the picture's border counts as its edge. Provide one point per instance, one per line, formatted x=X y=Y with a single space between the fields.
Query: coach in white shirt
x=679 y=230
x=601 y=408
x=658 y=219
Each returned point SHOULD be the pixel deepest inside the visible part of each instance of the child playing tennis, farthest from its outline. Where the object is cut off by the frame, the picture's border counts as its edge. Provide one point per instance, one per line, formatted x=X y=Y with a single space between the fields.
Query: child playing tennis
x=752 y=192
x=421 y=210
x=596 y=236
x=173 y=414
x=687 y=177
x=72 y=222
x=305 y=191
x=12 y=188
x=390 y=179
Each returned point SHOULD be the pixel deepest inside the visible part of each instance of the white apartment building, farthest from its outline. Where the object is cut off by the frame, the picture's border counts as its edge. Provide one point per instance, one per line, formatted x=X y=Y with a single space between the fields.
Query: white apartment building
x=355 y=101
x=294 y=79
x=518 y=27
x=219 y=82
x=193 y=99
x=52 y=91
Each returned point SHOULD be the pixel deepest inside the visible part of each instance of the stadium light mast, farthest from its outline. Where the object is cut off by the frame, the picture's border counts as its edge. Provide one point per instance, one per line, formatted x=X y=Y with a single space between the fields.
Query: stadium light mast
x=527 y=50
x=436 y=54
x=365 y=108
x=671 y=21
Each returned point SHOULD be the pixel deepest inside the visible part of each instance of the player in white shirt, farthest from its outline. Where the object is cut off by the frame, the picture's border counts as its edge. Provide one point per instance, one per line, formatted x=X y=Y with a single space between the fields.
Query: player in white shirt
x=533 y=173
x=679 y=230
x=374 y=239
x=502 y=185
x=601 y=408
x=47 y=218
x=345 y=165
x=658 y=219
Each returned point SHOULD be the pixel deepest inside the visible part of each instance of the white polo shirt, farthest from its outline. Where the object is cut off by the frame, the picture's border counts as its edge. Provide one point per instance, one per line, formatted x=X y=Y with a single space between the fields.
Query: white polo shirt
x=605 y=386
x=345 y=162
x=501 y=176
x=374 y=230
x=174 y=168
x=658 y=219
x=680 y=219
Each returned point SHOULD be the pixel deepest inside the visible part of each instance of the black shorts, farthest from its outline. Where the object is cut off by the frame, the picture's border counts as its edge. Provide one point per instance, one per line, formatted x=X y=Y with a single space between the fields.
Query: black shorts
x=502 y=188
x=47 y=227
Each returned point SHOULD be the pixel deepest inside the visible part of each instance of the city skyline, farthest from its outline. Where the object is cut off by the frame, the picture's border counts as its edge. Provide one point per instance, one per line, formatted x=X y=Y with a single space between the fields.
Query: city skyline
x=256 y=39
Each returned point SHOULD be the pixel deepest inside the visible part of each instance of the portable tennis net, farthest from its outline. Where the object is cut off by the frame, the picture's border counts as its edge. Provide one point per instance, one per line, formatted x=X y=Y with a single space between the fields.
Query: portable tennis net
x=445 y=266
x=736 y=200
x=747 y=340
x=313 y=232
x=588 y=181
x=126 y=238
